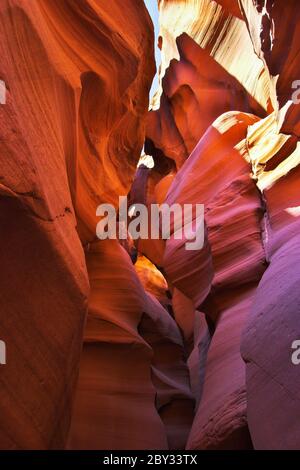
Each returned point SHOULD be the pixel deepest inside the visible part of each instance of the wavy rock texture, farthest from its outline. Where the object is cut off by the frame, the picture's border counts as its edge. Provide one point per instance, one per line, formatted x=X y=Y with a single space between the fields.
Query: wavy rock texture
x=133 y=390
x=220 y=56
x=201 y=83
x=273 y=323
x=225 y=187
x=275 y=37
x=71 y=135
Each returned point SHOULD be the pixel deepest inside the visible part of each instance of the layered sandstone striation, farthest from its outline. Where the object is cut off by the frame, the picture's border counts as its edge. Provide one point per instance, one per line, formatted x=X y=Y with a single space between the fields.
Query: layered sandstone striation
x=143 y=344
x=225 y=115
x=71 y=135
x=133 y=389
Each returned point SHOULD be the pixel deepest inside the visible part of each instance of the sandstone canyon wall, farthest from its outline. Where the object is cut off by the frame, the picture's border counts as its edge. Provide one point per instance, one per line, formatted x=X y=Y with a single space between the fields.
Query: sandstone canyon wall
x=72 y=131
x=143 y=344
x=224 y=115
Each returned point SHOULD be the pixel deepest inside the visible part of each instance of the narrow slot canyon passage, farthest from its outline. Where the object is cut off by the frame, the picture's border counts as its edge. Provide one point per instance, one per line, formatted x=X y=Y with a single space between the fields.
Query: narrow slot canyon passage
x=150 y=216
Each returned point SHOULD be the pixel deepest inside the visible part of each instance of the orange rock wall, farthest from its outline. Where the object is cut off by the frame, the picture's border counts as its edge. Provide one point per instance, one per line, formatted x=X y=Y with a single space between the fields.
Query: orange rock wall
x=224 y=114
x=71 y=134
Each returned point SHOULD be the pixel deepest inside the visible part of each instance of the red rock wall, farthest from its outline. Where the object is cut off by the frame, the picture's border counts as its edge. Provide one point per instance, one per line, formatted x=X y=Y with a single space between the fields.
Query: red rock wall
x=71 y=134
x=133 y=390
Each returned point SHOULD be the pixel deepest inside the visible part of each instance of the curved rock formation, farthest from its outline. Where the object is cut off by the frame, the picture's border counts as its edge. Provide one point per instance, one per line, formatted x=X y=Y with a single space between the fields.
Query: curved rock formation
x=273 y=322
x=132 y=372
x=71 y=134
x=201 y=83
x=217 y=57
x=225 y=187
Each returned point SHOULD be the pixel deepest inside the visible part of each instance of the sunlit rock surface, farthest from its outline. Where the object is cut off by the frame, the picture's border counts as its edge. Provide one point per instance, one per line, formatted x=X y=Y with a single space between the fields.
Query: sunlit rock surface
x=208 y=67
x=273 y=323
x=219 y=57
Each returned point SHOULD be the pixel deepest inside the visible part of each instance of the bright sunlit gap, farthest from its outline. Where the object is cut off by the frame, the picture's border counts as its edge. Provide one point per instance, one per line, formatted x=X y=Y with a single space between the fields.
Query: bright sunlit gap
x=153 y=11
x=147 y=160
